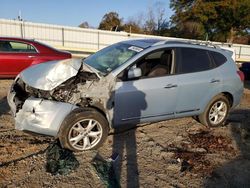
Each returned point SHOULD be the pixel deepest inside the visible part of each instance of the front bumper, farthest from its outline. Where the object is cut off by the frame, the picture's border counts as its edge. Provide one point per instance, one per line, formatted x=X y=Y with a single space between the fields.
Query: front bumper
x=39 y=115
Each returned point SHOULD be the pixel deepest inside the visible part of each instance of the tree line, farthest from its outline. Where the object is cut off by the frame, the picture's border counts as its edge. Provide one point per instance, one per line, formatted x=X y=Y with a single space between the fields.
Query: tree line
x=223 y=21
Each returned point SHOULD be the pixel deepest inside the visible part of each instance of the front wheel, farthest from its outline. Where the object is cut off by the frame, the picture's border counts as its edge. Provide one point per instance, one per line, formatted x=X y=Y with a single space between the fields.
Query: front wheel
x=83 y=130
x=216 y=112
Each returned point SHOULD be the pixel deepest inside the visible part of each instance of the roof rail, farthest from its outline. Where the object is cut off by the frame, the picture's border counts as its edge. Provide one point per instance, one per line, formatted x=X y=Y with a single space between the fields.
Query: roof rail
x=205 y=43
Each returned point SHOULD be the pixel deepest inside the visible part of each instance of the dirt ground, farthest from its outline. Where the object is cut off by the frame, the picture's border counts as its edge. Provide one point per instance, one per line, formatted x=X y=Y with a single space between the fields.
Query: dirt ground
x=174 y=153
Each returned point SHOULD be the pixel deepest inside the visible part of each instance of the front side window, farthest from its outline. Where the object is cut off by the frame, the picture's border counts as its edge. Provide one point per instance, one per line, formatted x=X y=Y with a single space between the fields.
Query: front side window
x=155 y=64
x=192 y=60
x=112 y=57
x=11 y=46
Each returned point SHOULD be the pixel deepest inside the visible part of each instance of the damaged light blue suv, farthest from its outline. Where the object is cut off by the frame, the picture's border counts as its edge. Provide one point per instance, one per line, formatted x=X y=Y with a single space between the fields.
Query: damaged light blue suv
x=131 y=82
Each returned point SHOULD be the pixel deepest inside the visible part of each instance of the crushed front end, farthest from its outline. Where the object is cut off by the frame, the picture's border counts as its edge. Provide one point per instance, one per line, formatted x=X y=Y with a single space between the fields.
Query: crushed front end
x=40 y=99
x=35 y=110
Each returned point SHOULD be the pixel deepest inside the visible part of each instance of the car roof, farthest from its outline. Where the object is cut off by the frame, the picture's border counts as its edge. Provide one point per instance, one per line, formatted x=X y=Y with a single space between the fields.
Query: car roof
x=143 y=43
x=41 y=47
x=17 y=39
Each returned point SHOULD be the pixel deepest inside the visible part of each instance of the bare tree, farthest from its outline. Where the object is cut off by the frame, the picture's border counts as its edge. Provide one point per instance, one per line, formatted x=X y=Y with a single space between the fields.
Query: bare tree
x=161 y=19
x=150 y=23
x=156 y=20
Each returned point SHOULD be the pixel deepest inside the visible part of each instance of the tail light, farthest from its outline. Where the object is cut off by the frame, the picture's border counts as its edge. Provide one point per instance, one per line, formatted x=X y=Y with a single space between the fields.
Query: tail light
x=241 y=75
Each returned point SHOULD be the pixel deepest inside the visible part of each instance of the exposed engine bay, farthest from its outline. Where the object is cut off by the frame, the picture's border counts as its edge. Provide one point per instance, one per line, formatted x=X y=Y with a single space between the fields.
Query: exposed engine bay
x=66 y=92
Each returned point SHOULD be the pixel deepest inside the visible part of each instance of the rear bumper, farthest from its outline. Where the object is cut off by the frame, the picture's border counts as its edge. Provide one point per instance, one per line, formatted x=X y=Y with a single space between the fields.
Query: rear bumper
x=39 y=115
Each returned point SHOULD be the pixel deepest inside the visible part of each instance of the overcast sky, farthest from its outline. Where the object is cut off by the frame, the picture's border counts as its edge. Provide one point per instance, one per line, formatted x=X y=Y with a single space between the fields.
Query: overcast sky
x=74 y=12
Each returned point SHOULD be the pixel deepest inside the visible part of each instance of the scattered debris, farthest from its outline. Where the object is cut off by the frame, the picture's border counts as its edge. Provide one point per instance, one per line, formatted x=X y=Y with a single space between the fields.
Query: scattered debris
x=59 y=160
x=209 y=142
x=192 y=156
x=114 y=157
x=197 y=129
x=105 y=170
x=185 y=165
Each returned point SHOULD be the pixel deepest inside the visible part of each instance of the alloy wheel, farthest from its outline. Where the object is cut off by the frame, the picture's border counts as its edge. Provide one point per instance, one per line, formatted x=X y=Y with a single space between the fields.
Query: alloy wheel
x=85 y=134
x=218 y=112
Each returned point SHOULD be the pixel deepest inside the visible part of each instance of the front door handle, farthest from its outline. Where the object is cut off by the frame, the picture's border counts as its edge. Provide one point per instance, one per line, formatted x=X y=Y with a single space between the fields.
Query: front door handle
x=214 y=81
x=31 y=56
x=170 y=86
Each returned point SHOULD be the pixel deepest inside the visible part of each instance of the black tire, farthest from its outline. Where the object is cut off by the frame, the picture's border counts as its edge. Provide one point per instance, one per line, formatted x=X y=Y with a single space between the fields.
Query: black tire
x=211 y=121
x=77 y=124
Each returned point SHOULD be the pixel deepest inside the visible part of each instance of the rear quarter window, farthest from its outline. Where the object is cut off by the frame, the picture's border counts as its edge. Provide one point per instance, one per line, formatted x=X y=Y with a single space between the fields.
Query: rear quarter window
x=218 y=58
x=193 y=60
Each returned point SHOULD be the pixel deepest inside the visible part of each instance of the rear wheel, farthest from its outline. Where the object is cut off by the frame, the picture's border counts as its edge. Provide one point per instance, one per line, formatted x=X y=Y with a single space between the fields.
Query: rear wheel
x=216 y=112
x=83 y=130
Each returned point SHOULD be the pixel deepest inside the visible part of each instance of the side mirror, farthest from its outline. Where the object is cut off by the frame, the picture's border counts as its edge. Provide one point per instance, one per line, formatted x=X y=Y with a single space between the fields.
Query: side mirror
x=134 y=72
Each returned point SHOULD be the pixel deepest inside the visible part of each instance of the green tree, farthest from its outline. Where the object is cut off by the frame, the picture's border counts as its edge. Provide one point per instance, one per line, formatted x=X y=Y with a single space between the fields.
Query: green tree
x=233 y=18
x=221 y=20
x=110 y=21
x=191 y=30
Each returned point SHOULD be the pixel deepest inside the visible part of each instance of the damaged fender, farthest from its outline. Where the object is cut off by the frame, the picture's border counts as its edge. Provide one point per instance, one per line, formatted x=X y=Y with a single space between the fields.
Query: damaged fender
x=42 y=116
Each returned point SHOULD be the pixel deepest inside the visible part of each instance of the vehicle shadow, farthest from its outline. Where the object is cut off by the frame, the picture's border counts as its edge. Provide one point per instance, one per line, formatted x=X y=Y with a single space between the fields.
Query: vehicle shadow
x=235 y=173
x=4 y=107
x=124 y=140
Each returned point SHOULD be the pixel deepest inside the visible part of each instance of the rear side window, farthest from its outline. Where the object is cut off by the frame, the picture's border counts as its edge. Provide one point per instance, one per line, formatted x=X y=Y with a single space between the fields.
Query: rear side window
x=218 y=58
x=11 y=46
x=192 y=60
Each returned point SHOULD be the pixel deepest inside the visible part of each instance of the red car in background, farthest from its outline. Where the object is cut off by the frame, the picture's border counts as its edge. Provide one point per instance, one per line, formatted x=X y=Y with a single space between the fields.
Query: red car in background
x=17 y=54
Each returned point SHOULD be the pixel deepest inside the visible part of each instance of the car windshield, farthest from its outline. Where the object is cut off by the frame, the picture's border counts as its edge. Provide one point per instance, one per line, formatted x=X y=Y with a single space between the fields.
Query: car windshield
x=112 y=57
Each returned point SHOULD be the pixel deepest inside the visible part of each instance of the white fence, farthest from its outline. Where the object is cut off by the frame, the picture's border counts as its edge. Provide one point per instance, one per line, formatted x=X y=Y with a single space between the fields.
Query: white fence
x=84 y=40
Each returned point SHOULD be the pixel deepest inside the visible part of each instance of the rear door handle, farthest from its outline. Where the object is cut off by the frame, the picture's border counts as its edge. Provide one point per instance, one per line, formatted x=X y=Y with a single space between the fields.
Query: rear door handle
x=170 y=86
x=31 y=56
x=214 y=81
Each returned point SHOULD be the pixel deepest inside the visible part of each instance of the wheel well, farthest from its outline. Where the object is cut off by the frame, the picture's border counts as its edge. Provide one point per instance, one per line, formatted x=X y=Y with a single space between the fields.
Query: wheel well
x=229 y=97
x=95 y=106
x=98 y=110
x=103 y=113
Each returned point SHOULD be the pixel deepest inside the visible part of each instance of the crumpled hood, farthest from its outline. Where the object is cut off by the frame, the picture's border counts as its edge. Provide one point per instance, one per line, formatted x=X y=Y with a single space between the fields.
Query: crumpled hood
x=47 y=76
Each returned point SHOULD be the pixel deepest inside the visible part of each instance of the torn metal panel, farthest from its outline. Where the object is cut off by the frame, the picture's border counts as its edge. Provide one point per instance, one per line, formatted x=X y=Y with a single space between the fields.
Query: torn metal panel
x=100 y=88
x=42 y=116
x=99 y=92
x=67 y=92
x=47 y=76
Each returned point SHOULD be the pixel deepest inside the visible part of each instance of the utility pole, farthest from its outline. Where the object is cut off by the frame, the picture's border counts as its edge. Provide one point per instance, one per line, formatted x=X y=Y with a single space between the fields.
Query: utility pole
x=19 y=17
